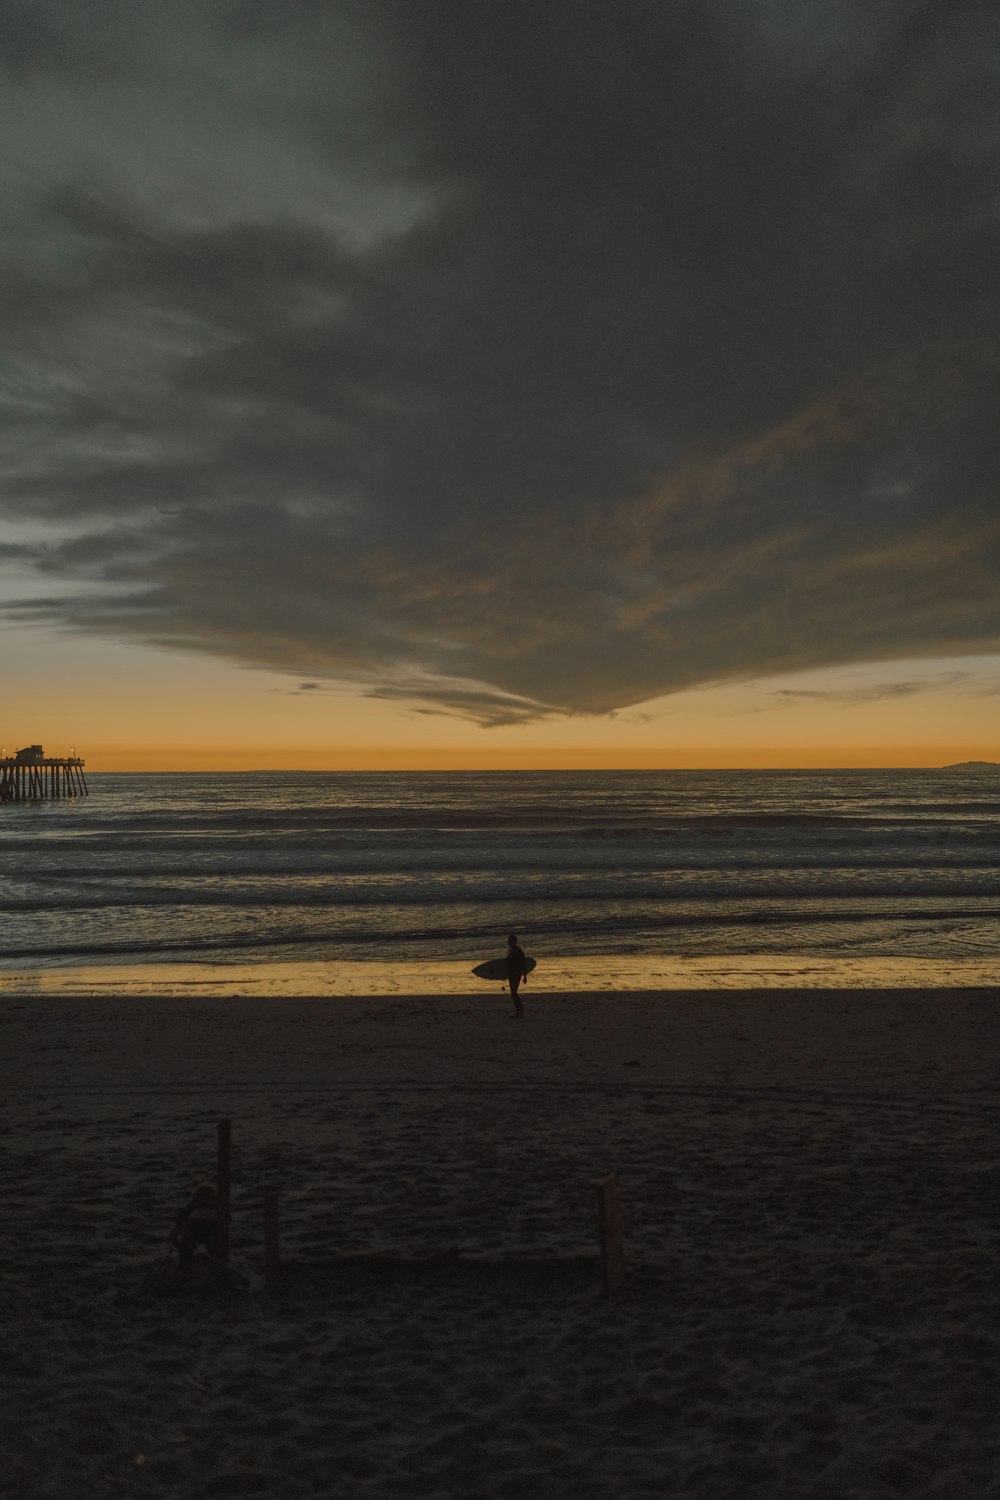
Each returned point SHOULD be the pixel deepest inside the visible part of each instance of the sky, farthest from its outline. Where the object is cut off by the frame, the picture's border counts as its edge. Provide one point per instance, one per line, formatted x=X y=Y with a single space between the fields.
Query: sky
x=443 y=383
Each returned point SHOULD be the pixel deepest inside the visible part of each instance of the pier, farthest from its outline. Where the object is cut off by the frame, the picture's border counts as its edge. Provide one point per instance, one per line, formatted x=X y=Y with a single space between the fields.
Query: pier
x=29 y=775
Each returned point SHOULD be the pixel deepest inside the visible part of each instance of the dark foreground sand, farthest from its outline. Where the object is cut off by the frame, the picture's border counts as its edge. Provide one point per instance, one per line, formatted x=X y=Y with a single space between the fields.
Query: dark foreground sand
x=811 y=1186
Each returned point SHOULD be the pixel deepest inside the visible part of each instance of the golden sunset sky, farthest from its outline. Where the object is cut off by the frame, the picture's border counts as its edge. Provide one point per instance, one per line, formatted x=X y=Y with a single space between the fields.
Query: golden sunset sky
x=131 y=708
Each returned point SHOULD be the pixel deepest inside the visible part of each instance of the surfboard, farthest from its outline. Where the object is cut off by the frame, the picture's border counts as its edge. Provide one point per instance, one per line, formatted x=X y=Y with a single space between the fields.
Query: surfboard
x=496 y=968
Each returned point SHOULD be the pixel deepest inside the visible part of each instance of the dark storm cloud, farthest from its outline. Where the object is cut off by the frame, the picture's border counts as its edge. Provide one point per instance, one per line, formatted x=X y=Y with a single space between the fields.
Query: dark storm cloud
x=35 y=38
x=611 y=350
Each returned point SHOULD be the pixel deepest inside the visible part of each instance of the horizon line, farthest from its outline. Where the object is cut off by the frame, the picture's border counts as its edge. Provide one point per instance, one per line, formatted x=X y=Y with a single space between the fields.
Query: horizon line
x=353 y=770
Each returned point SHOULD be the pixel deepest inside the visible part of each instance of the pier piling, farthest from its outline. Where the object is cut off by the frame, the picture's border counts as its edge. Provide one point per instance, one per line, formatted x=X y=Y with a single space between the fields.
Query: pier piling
x=29 y=775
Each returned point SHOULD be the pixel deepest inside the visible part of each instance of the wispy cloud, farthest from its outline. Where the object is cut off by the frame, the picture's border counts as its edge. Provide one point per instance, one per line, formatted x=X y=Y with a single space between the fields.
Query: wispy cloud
x=875 y=692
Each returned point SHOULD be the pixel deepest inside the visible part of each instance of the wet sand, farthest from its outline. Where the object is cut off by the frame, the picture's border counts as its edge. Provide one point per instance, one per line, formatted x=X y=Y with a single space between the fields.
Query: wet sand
x=591 y=974
x=811 y=1195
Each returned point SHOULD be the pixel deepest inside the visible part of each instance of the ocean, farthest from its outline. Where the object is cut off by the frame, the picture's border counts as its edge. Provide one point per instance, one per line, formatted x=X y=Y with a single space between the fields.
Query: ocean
x=586 y=867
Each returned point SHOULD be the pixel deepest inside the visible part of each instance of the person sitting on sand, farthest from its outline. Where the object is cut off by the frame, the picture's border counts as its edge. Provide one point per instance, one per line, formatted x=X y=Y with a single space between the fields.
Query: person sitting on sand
x=196 y=1223
x=517 y=969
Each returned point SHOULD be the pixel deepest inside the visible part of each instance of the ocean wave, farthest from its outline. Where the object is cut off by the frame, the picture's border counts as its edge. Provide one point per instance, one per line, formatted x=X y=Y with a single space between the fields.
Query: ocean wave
x=384 y=862
x=319 y=826
x=610 y=927
x=523 y=893
x=113 y=862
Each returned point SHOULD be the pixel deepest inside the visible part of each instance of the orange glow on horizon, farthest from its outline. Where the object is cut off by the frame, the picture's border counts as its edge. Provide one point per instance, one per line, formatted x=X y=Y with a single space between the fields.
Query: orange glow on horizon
x=566 y=758
x=135 y=709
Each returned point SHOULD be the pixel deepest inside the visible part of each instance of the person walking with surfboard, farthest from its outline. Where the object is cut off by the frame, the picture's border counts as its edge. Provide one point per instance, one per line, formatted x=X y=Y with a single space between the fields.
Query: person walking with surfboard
x=517 y=969
x=510 y=969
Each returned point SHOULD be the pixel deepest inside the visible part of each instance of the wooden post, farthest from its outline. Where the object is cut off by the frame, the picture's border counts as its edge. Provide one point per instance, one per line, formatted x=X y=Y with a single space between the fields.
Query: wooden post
x=610 y=1229
x=272 y=1246
x=222 y=1183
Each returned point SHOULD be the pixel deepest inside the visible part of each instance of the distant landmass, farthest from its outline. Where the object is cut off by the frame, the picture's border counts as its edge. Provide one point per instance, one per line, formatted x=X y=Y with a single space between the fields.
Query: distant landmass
x=974 y=765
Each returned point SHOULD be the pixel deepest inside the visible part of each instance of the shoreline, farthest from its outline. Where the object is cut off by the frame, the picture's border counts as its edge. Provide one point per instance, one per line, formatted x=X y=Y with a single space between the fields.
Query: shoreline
x=629 y=974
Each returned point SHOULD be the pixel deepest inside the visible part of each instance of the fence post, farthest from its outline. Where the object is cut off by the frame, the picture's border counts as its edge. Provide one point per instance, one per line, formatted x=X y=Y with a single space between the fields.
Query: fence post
x=222 y=1182
x=610 y=1230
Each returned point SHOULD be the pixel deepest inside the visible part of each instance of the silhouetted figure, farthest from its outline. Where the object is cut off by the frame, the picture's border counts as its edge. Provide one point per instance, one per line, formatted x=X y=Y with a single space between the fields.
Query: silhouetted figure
x=517 y=969
x=196 y=1222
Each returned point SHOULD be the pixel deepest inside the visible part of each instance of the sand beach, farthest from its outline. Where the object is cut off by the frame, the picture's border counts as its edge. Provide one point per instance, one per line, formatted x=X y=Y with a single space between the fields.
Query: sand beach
x=809 y=1184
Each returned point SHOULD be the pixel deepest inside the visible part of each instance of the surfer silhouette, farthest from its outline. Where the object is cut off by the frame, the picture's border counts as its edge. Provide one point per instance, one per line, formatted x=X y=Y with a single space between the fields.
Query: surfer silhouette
x=517 y=969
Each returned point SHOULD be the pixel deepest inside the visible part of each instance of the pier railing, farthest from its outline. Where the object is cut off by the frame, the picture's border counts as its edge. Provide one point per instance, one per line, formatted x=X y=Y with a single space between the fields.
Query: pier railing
x=34 y=780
